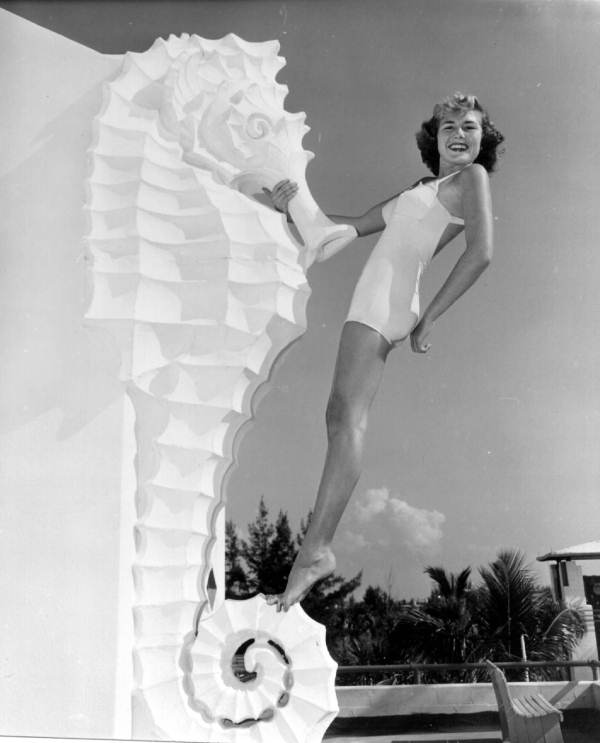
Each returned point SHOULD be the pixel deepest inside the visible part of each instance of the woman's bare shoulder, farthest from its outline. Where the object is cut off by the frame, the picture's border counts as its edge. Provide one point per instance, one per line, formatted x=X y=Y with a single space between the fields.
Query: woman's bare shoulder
x=474 y=184
x=474 y=176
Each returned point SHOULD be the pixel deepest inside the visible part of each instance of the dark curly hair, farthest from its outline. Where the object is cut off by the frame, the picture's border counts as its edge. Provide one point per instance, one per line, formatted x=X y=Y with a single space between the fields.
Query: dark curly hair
x=491 y=138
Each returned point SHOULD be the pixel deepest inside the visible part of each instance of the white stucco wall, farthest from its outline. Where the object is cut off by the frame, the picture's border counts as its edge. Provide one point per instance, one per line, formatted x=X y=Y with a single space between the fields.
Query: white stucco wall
x=65 y=447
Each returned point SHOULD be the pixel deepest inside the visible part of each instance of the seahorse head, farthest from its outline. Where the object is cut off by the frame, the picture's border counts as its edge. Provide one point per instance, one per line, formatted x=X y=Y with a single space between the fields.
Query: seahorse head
x=224 y=97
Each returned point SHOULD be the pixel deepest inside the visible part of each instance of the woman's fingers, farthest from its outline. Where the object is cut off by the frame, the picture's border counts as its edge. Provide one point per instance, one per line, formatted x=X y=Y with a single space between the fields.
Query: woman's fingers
x=285 y=184
x=417 y=345
x=285 y=191
x=282 y=194
x=421 y=347
x=275 y=600
x=419 y=335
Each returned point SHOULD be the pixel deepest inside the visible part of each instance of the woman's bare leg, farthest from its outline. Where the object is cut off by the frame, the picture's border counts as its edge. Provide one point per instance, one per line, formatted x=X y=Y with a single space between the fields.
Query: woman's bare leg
x=359 y=367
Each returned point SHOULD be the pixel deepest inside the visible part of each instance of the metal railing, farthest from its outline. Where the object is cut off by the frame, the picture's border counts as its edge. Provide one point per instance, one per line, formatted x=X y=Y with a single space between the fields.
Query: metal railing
x=418 y=669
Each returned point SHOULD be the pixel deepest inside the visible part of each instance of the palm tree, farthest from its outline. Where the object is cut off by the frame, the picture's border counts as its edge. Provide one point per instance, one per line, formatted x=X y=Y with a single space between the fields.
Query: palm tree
x=507 y=603
x=511 y=605
x=458 y=624
x=366 y=628
x=450 y=587
x=440 y=630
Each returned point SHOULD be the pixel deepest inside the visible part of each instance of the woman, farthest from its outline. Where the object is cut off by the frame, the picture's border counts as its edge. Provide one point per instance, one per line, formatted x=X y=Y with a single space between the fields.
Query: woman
x=459 y=144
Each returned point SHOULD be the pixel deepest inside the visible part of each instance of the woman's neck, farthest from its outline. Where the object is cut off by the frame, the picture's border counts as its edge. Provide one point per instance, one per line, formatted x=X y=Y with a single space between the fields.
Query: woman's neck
x=448 y=170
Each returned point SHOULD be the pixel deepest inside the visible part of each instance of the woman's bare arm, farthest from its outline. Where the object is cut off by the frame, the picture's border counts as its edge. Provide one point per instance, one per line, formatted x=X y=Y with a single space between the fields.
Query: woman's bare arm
x=477 y=210
x=370 y=222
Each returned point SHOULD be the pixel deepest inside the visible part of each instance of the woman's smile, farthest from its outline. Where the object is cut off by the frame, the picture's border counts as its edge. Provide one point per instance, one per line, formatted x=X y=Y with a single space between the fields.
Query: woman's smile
x=459 y=138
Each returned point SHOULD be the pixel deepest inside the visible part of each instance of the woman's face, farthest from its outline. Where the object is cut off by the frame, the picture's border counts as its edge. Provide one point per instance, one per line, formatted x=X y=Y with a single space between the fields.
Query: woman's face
x=459 y=138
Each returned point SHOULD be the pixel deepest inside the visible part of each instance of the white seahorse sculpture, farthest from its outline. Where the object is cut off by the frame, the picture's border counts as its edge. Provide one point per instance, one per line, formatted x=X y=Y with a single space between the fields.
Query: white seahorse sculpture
x=203 y=287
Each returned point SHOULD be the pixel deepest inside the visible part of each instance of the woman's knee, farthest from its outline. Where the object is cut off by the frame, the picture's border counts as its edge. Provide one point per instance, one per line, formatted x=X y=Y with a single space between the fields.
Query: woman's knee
x=344 y=415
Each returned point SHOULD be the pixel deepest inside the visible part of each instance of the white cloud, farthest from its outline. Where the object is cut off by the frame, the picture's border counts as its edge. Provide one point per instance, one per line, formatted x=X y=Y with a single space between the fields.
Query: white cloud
x=377 y=518
x=355 y=539
x=371 y=503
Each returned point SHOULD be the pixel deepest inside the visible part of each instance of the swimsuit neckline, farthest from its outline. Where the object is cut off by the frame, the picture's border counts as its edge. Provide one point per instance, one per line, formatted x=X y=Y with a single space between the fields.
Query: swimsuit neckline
x=435 y=182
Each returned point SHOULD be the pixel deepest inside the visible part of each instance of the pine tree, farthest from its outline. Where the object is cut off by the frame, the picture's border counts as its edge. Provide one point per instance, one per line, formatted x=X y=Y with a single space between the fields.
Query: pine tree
x=236 y=581
x=256 y=552
x=282 y=553
x=262 y=565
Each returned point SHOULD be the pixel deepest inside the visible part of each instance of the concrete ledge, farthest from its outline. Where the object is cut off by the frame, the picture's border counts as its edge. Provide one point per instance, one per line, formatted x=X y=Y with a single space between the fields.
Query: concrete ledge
x=441 y=699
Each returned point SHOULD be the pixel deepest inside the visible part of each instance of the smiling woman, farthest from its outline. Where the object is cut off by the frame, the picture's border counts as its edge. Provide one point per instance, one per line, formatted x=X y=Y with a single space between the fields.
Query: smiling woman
x=467 y=109
x=459 y=144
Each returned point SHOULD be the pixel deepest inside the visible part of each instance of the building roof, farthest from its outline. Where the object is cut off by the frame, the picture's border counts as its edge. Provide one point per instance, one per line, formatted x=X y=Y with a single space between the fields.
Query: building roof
x=585 y=551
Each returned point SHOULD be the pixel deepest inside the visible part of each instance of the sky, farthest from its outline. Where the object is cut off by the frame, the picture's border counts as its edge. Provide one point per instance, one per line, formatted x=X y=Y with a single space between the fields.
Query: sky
x=491 y=440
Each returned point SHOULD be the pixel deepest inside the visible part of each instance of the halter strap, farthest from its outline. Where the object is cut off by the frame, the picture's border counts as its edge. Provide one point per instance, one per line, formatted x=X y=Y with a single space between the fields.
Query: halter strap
x=445 y=178
x=452 y=218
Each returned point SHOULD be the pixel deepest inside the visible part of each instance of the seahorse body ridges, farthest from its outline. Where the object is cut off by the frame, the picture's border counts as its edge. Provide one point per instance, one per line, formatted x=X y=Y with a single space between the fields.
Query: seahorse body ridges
x=202 y=287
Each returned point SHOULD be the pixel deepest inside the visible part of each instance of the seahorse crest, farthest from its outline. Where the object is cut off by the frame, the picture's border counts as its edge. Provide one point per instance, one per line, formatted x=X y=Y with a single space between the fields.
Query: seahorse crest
x=234 y=107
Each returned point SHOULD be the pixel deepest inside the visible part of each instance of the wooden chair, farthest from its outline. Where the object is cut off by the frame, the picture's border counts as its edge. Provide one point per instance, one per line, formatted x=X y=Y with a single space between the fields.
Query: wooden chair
x=530 y=719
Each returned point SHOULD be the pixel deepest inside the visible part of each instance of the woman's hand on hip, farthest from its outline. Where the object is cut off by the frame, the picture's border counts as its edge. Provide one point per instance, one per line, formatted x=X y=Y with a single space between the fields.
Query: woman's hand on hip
x=419 y=335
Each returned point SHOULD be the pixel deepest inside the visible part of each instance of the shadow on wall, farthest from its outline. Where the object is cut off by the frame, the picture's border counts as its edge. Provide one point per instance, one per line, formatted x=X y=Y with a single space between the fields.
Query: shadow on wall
x=49 y=359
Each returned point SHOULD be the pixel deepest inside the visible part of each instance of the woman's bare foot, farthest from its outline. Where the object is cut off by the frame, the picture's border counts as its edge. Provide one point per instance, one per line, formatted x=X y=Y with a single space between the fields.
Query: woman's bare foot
x=308 y=569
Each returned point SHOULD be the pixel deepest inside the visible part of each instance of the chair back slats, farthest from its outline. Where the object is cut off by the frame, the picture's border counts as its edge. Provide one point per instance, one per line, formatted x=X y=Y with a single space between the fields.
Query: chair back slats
x=525 y=719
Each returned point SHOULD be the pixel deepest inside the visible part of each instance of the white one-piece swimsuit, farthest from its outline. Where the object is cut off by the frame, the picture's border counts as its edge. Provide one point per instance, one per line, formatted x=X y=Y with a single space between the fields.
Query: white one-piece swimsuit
x=386 y=296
